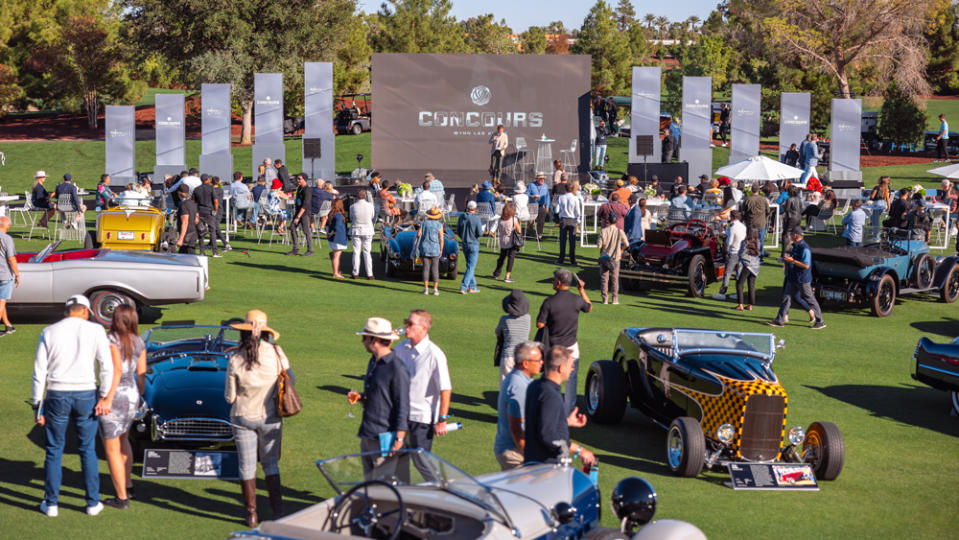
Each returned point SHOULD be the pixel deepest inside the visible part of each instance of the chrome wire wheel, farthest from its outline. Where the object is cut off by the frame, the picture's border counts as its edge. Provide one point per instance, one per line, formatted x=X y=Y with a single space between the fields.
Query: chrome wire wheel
x=592 y=395
x=674 y=448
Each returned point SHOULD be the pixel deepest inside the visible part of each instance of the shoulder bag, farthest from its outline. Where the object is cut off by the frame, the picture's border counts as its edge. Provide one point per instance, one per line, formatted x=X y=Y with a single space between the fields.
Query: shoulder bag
x=288 y=401
x=516 y=237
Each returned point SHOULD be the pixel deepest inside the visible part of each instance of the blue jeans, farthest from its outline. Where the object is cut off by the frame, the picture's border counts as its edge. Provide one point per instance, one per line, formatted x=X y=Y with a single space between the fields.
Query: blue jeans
x=810 y=167
x=599 y=154
x=569 y=394
x=60 y=407
x=471 y=252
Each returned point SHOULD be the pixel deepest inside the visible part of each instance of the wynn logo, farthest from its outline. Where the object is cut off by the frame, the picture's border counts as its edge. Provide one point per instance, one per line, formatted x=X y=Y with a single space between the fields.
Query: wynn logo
x=480 y=95
x=846 y=126
x=169 y=122
x=114 y=133
x=796 y=121
x=696 y=105
x=745 y=112
x=213 y=112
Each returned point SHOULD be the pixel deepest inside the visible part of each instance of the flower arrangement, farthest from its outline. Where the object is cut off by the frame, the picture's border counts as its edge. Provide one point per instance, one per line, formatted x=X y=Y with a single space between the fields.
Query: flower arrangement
x=404 y=189
x=650 y=191
x=918 y=189
x=748 y=190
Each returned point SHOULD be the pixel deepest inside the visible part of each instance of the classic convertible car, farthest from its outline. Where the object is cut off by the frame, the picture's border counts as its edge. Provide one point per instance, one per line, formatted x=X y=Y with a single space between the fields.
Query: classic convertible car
x=438 y=500
x=716 y=394
x=108 y=278
x=183 y=398
x=684 y=253
x=876 y=274
x=399 y=251
x=132 y=227
x=937 y=364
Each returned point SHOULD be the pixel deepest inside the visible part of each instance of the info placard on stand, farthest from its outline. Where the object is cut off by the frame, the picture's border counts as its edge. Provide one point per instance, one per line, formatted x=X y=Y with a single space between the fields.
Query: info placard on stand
x=190 y=464
x=772 y=476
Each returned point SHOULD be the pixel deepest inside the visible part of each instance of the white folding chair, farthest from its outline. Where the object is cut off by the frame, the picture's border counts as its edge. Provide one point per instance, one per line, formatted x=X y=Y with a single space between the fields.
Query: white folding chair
x=522 y=158
x=570 y=163
x=529 y=225
x=70 y=228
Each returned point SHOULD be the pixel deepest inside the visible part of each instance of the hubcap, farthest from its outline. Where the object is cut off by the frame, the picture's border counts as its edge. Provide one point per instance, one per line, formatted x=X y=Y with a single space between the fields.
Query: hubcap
x=812 y=448
x=954 y=283
x=885 y=296
x=592 y=395
x=674 y=447
x=109 y=305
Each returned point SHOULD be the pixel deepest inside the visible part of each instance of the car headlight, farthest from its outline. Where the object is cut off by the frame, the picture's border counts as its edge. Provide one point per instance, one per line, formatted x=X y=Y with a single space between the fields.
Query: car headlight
x=725 y=433
x=796 y=435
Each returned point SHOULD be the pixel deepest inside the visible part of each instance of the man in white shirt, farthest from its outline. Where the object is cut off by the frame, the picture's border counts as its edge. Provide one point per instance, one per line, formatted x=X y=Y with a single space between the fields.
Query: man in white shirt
x=499 y=142
x=735 y=236
x=569 y=208
x=65 y=368
x=362 y=214
x=426 y=199
x=190 y=179
x=430 y=387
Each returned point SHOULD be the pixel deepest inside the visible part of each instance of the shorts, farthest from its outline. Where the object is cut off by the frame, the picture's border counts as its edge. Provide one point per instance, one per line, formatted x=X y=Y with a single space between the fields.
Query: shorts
x=337 y=247
x=6 y=289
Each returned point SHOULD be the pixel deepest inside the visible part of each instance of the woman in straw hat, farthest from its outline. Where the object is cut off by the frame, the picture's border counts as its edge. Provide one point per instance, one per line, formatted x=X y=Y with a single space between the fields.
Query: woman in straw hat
x=251 y=388
x=430 y=238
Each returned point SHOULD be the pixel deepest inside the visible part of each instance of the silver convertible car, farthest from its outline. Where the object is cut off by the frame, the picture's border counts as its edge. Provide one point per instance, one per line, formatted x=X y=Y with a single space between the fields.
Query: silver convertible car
x=108 y=278
x=416 y=494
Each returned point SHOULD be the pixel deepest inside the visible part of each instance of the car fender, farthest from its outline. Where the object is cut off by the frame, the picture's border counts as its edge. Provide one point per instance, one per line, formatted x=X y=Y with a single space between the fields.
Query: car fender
x=124 y=288
x=942 y=270
x=872 y=281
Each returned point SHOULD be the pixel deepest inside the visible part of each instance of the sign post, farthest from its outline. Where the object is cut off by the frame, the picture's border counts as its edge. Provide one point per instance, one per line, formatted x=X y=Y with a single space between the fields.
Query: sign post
x=845 y=140
x=793 y=120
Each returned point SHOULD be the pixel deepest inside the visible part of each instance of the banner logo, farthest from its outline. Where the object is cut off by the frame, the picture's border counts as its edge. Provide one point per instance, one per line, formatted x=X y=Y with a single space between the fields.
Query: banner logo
x=745 y=112
x=169 y=122
x=846 y=126
x=213 y=112
x=117 y=133
x=795 y=121
x=480 y=95
x=268 y=101
x=696 y=105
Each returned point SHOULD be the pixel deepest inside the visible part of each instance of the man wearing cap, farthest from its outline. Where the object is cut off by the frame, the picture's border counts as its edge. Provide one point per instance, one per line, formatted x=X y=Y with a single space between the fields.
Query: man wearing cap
x=9 y=273
x=301 y=217
x=469 y=227
x=67 y=188
x=362 y=213
x=186 y=219
x=654 y=183
x=430 y=386
x=40 y=198
x=799 y=283
x=65 y=367
x=599 y=146
x=538 y=193
x=485 y=195
x=385 y=398
x=559 y=319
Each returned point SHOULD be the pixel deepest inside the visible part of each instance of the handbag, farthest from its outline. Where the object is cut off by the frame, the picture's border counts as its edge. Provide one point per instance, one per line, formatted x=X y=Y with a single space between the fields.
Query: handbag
x=288 y=401
x=516 y=238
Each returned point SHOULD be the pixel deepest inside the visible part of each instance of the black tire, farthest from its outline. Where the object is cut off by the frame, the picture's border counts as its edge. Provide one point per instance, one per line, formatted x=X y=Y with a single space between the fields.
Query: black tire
x=885 y=298
x=390 y=268
x=605 y=533
x=954 y=398
x=685 y=447
x=824 y=449
x=605 y=392
x=950 y=287
x=104 y=302
x=383 y=255
x=697 y=276
x=924 y=270
x=357 y=129
x=90 y=241
x=452 y=272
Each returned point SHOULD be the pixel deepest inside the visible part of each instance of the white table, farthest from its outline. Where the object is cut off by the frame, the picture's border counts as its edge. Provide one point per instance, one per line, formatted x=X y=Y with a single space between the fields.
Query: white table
x=583 y=231
x=3 y=203
x=544 y=155
x=944 y=208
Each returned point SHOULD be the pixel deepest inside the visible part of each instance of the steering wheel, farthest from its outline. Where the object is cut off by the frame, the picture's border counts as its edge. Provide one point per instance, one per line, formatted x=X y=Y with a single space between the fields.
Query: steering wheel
x=697 y=224
x=370 y=517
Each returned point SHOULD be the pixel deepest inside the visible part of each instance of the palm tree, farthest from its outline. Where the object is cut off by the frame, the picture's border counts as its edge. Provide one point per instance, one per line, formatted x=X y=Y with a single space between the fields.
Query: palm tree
x=693 y=22
x=662 y=23
x=650 y=19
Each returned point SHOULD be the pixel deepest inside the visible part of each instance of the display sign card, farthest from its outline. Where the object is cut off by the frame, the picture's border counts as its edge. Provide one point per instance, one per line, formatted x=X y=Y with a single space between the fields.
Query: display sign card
x=193 y=464
x=772 y=476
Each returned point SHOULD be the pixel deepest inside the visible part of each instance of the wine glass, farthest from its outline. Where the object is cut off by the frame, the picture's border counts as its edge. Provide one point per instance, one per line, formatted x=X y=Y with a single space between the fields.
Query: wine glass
x=349 y=412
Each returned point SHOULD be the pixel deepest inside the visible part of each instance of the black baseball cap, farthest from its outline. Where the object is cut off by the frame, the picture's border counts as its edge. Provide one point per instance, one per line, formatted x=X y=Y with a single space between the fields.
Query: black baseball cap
x=184 y=189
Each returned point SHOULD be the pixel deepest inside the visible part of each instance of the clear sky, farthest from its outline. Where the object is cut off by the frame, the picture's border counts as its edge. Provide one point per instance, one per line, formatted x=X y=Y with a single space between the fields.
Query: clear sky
x=521 y=14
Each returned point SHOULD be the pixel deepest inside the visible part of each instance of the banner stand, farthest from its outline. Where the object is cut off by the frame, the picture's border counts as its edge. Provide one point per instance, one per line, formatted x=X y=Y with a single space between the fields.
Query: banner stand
x=697 y=127
x=644 y=119
x=268 y=118
x=745 y=122
x=215 y=157
x=119 y=132
x=318 y=108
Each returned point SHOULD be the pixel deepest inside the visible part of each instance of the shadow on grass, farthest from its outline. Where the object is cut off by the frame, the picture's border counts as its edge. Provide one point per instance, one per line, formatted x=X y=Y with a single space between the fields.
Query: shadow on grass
x=947 y=327
x=471 y=401
x=914 y=405
x=635 y=444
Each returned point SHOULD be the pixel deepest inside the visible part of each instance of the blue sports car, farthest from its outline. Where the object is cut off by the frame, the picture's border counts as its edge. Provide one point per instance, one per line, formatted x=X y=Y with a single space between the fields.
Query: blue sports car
x=399 y=250
x=183 y=395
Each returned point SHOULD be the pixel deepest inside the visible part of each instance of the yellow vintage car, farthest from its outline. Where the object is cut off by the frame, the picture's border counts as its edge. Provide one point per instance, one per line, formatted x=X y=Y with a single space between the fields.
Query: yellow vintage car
x=132 y=228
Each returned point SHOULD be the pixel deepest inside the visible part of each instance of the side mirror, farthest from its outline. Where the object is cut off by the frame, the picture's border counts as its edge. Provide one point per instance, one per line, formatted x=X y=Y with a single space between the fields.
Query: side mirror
x=564 y=512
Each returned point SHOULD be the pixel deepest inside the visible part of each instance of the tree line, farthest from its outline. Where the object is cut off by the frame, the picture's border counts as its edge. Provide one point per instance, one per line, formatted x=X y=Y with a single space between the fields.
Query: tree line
x=79 y=55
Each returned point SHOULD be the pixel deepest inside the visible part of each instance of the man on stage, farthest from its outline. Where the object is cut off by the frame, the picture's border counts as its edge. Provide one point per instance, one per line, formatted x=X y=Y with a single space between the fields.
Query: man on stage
x=499 y=141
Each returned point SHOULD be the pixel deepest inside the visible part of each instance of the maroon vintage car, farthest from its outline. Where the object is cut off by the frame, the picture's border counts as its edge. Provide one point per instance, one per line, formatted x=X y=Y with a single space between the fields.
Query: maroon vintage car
x=684 y=253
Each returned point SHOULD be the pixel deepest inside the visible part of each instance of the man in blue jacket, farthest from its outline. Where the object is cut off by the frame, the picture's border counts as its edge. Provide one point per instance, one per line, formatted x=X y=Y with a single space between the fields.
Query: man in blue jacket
x=799 y=284
x=470 y=229
x=538 y=193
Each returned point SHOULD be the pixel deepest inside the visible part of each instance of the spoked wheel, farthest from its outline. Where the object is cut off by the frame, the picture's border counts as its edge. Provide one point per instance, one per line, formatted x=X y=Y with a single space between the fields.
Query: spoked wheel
x=950 y=289
x=925 y=270
x=369 y=518
x=685 y=447
x=824 y=449
x=697 y=276
x=105 y=303
x=885 y=297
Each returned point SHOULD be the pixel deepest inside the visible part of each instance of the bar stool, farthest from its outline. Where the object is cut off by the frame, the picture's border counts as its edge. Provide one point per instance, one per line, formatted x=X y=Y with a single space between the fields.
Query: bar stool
x=570 y=162
x=522 y=158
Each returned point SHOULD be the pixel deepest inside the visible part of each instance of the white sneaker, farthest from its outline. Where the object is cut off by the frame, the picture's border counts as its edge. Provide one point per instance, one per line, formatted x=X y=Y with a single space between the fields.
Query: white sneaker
x=50 y=510
x=94 y=510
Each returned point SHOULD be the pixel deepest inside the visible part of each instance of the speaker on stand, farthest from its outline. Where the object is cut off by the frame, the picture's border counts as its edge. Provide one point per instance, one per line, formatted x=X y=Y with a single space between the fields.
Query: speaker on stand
x=312 y=149
x=644 y=147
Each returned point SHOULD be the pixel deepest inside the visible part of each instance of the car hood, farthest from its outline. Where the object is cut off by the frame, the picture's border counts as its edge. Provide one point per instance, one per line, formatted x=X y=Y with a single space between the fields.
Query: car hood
x=188 y=387
x=730 y=366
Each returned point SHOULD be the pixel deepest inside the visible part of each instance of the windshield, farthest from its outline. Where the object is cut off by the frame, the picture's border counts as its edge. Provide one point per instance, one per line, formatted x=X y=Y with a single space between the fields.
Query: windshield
x=427 y=472
x=690 y=340
x=190 y=338
x=39 y=257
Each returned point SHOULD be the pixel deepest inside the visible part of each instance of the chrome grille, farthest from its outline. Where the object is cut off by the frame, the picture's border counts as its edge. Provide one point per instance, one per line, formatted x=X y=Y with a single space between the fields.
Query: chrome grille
x=196 y=429
x=762 y=427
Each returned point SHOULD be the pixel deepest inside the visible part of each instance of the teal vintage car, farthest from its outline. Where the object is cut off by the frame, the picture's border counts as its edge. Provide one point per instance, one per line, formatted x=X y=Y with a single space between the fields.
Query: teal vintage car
x=399 y=251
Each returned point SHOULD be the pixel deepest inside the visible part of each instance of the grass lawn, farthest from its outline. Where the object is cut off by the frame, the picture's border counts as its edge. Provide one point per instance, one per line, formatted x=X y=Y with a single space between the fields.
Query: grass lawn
x=934 y=107
x=899 y=478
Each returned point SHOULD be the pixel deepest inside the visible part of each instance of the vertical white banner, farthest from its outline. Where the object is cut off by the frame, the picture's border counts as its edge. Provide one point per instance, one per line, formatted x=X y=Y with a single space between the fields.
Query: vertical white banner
x=268 y=117
x=170 y=135
x=318 y=108
x=793 y=120
x=119 y=132
x=696 y=139
x=215 y=121
x=644 y=119
x=845 y=135
x=745 y=122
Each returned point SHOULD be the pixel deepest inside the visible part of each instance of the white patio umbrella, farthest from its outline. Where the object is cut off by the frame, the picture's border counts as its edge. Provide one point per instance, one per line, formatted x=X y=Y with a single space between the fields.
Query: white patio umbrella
x=949 y=171
x=759 y=168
